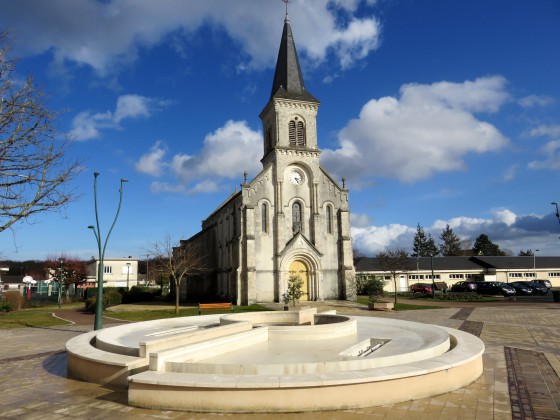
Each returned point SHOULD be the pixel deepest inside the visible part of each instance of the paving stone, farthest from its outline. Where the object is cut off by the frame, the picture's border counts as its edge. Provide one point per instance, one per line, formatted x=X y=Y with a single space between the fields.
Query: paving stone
x=33 y=382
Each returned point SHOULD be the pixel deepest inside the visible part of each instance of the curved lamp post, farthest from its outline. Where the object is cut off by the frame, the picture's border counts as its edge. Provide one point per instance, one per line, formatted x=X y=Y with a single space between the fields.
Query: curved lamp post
x=61 y=261
x=97 y=232
x=554 y=203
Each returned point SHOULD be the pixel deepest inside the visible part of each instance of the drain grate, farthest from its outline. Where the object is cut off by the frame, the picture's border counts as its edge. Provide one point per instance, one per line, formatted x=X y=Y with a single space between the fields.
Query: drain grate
x=473 y=327
x=463 y=313
x=365 y=348
x=534 y=386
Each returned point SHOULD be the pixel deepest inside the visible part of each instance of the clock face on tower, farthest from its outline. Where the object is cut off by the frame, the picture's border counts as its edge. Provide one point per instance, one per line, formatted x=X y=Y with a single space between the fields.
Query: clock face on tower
x=296 y=177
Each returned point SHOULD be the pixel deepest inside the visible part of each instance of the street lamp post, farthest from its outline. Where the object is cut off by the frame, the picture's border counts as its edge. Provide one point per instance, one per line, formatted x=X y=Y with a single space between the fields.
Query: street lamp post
x=433 y=277
x=535 y=261
x=554 y=203
x=61 y=261
x=127 y=276
x=97 y=232
x=147 y=271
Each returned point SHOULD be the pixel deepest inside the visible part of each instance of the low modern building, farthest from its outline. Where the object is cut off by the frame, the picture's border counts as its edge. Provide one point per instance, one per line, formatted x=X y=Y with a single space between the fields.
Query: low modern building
x=117 y=272
x=453 y=269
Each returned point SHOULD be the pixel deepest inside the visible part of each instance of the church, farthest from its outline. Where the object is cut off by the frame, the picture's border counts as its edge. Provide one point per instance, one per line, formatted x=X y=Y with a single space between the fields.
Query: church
x=292 y=218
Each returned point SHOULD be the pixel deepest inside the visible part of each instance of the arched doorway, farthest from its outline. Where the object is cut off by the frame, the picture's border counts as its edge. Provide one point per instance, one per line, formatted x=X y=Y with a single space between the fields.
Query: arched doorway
x=299 y=268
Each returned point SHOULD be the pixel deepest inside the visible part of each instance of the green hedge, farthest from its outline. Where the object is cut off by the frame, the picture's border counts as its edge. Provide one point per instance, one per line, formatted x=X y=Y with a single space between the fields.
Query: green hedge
x=111 y=296
x=140 y=294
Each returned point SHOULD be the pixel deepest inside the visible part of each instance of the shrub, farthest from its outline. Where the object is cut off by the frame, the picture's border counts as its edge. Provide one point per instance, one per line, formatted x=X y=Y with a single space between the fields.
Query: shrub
x=111 y=297
x=5 y=306
x=462 y=297
x=14 y=298
x=375 y=288
x=140 y=294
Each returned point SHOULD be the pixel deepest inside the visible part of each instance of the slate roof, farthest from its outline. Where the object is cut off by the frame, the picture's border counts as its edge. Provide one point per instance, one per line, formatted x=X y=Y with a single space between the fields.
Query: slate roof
x=464 y=263
x=288 y=79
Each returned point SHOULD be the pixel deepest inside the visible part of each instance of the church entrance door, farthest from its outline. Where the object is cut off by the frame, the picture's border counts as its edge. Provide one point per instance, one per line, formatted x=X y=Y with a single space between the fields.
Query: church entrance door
x=299 y=268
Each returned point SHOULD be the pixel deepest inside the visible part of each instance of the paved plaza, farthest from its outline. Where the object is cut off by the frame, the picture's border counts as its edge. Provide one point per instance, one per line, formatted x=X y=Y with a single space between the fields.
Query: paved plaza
x=521 y=378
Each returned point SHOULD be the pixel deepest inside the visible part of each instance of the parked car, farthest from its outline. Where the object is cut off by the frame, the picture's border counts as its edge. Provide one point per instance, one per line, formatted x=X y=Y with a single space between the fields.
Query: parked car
x=545 y=283
x=520 y=288
x=538 y=289
x=464 y=286
x=421 y=288
x=494 y=288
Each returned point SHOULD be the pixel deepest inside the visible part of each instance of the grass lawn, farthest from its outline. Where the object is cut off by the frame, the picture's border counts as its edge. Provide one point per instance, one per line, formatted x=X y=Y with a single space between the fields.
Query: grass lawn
x=32 y=317
x=148 y=315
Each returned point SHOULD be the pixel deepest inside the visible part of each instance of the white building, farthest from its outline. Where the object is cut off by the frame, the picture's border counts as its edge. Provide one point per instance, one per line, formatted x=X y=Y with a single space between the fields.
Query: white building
x=117 y=272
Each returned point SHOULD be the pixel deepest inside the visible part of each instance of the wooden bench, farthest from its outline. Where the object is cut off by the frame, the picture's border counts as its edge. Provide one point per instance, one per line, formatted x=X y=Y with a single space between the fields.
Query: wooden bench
x=221 y=305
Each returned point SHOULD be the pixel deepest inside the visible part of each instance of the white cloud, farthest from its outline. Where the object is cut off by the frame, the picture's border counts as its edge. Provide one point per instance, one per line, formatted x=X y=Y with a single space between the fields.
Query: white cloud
x=429 y=129
x=373 y=239
x=152 y=162
x=535 y=101
x=226 y=154
x=87 y=125
x=550 y=150
x=359 y=219
x=107 y=34
x=509 y=173
x=505 y=228
x=545 y=131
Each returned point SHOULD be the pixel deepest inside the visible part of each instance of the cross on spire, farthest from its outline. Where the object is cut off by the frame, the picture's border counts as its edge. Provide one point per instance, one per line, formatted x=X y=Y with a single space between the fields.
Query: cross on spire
x=286 y=2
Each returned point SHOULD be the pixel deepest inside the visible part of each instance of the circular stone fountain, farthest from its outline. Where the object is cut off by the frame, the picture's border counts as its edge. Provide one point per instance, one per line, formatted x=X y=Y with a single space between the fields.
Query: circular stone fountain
x=276 y=361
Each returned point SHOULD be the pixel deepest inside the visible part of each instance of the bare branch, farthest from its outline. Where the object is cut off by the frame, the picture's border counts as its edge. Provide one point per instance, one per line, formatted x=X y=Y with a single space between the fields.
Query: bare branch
x=180 y=262
x=33 y=168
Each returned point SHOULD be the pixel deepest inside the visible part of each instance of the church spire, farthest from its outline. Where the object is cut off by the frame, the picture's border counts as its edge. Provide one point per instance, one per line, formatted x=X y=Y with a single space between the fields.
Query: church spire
x=288 y=80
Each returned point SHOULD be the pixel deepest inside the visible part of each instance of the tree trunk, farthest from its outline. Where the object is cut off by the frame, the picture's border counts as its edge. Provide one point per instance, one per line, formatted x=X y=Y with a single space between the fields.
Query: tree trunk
x=177 y=287
x=395 y=283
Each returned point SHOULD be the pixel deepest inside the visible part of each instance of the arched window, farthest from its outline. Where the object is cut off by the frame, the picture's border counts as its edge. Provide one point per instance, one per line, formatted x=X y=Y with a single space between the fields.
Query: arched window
x=296 y=217
x=296 y=133
x=329 y=219
x=300 y=134
x=264 y=218
x=292 y=133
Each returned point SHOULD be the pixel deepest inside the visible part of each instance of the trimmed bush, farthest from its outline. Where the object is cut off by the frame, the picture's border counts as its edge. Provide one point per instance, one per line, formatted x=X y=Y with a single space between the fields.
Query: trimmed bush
x=111 y=297
x=14 y=299
x=140 y=294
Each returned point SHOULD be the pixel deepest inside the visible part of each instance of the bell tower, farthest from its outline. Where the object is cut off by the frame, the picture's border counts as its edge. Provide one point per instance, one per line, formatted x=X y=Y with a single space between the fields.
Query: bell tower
x=289 y=118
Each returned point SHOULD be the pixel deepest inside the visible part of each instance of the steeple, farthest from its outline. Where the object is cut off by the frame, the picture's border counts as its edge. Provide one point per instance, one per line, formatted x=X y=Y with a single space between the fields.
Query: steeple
x=288 y=80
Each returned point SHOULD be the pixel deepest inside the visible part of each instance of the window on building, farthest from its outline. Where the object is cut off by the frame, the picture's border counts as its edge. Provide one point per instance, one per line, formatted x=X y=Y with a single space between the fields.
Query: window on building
x=435 y=277
x=264 y=218
x=416 y=277
x=329 y=219
x=296 y=133
x=107 y=269
x=300 y=134
x=296 y=217
x=530 y=275
x=292 y=133
x=553 y=274
x=456 y=276
x=515 y=275
x=469 y=276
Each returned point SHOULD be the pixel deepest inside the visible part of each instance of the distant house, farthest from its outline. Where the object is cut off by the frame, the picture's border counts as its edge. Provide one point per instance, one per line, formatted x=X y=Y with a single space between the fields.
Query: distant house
x=453 y=269
x=117 y=272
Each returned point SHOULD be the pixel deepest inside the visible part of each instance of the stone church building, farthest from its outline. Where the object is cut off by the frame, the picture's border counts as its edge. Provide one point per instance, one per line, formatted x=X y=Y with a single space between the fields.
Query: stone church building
x=292 y=218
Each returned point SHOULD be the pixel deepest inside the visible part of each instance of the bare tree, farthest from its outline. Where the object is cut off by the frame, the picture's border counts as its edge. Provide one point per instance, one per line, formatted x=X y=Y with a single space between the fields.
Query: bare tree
x=393 y=261
x=179 y=262
x=73 y=270
x=33 y=169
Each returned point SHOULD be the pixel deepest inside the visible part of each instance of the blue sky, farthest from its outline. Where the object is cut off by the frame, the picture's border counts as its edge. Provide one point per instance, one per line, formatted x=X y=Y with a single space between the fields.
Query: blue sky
x=436 y=112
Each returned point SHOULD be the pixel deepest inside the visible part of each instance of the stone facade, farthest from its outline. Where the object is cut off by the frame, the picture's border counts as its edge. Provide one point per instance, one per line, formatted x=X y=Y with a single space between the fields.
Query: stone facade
x=291 y=218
